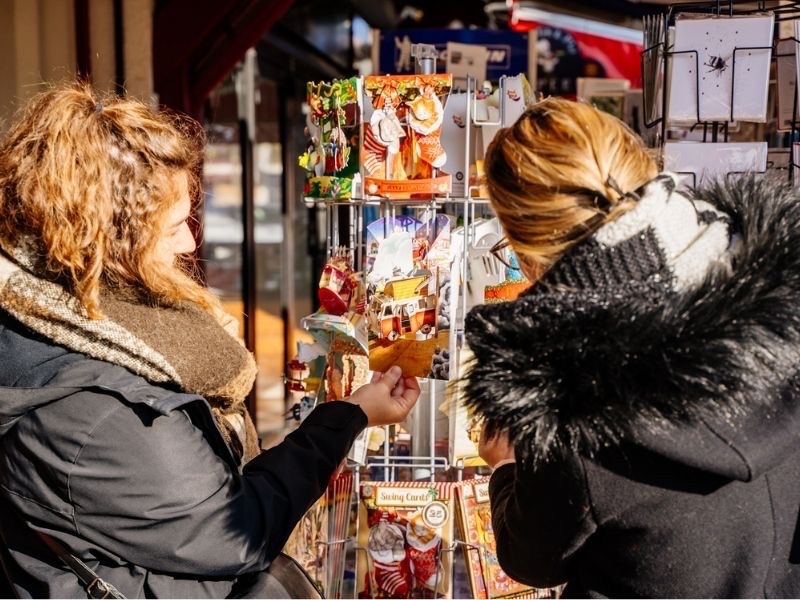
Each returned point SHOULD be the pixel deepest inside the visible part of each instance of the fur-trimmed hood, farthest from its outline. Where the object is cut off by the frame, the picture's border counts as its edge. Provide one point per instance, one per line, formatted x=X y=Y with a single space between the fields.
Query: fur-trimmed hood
x=586 y=366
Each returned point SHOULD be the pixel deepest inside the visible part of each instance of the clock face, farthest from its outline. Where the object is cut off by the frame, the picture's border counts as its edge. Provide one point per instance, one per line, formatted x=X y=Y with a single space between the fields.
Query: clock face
x=720 y=68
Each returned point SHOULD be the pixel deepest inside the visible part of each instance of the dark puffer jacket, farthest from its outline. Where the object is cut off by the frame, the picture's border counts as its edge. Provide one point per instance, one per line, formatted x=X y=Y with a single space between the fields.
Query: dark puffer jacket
x=657 y=431
x=137 y=481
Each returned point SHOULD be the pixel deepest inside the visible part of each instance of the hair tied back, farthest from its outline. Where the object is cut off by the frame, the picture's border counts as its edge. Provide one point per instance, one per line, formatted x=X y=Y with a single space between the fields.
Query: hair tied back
x=612 y=183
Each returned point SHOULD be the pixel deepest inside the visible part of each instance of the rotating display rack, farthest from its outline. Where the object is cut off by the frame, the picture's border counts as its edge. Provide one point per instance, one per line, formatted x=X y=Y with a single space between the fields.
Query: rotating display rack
x=415 y=140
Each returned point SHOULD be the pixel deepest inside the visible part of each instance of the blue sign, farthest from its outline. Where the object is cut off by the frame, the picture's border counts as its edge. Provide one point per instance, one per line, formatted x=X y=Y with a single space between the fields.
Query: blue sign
x=508 y=50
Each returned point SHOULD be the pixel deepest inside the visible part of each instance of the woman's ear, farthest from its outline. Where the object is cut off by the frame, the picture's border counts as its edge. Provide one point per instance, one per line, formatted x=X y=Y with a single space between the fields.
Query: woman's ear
x=532 y=269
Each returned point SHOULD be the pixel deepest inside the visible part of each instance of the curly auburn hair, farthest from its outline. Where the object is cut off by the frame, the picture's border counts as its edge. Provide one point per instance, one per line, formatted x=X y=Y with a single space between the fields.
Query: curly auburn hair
x=558 y=174
x=89 y=178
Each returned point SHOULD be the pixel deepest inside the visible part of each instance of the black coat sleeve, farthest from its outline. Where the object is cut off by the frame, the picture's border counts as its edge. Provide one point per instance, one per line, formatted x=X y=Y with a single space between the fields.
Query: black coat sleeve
x=153 y=491
x=300 y=467
x=541 y=517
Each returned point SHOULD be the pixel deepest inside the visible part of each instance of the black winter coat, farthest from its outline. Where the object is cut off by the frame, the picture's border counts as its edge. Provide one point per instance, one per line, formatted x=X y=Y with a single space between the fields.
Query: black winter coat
x=136 y=480
x=657 y=432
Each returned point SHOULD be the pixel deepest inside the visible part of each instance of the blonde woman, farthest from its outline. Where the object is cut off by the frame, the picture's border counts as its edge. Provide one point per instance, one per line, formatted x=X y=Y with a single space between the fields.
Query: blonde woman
x=641 y=398
x=124 y=441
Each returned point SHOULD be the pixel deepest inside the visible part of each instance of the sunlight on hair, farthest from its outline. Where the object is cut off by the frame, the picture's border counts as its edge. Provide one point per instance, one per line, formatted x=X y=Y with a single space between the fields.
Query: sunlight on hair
x=89 y=178
x=559 y=173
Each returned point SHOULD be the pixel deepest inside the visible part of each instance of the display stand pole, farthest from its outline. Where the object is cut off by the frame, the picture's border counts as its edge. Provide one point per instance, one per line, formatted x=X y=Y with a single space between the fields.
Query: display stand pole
x=423 y=413
x=245 y=88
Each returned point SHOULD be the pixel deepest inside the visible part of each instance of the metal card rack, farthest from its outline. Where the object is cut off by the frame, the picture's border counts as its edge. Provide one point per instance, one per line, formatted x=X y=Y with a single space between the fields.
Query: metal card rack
x=470 y=206
x=467 y=209
x=656 y=57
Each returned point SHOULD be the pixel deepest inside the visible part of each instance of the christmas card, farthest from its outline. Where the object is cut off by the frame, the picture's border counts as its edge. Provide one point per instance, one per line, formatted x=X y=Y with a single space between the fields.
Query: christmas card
x=405 y=529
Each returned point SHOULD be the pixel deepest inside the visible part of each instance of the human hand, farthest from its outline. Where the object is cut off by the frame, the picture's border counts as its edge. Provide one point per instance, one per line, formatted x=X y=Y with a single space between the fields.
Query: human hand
x=388 y=398
x=497 y=449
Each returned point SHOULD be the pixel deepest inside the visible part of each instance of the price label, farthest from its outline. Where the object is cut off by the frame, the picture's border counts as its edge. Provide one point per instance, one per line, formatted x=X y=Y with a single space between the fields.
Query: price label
x=434 y=514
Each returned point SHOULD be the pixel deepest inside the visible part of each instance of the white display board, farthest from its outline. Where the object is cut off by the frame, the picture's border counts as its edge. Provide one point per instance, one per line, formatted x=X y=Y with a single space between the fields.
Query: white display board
x=720 y=68
x=703 y=162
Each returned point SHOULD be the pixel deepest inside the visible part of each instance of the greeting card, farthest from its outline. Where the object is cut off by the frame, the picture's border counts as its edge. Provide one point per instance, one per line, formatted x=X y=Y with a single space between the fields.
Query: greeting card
x=795 y=47
x=453 y=141
x=502 y=107
x=464 y=426
x=466 y=60
x=343 y=299
x=655 y=41
x=331 y=158
x=720 y=68
x=408 y=282
x=786 y=82
x=406 y=529
x=483 y=268
x=703 y=162
x=317 y=542
x=402 y=154
x=487 y=578
x=307 y=543
x=607 y=95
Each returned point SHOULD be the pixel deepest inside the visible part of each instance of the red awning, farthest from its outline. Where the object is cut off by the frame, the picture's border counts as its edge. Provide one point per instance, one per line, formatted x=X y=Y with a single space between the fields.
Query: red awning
x=196 y=43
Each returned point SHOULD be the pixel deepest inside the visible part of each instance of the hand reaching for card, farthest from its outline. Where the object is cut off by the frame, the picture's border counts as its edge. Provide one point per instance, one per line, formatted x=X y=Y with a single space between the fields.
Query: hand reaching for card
x=388 y=398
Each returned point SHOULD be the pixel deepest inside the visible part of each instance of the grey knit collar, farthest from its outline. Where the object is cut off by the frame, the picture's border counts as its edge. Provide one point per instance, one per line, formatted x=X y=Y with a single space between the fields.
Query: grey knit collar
x=667 y=243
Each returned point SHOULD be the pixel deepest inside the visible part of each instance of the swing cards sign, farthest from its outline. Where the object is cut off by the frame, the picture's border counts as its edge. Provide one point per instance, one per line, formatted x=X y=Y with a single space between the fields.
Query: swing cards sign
x=407 y=529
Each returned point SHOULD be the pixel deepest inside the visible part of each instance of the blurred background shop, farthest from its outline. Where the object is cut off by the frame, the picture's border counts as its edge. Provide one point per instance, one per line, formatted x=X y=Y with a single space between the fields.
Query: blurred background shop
x=240 y=67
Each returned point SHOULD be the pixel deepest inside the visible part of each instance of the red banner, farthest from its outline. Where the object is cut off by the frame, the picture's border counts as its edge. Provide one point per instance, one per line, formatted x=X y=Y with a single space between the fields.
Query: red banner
x=585 y=49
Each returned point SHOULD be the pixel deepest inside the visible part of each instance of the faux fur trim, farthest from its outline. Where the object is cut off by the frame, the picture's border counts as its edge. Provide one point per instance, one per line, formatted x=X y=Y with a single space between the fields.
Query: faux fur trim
x=587 y=378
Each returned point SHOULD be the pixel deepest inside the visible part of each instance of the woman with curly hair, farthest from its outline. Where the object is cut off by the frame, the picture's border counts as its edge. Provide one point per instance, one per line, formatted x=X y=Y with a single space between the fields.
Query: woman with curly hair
x=641 y=399
x=124 y=439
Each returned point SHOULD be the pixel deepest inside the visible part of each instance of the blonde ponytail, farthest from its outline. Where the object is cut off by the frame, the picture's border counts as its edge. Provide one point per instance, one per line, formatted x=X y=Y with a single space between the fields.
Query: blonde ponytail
x=561 y=172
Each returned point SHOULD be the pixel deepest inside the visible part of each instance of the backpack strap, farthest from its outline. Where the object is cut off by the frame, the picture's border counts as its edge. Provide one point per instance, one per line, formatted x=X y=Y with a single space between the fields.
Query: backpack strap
x=96 y=586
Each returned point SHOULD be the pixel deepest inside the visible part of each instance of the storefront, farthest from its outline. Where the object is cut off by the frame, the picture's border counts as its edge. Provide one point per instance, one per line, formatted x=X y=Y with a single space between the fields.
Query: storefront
x=345 y=221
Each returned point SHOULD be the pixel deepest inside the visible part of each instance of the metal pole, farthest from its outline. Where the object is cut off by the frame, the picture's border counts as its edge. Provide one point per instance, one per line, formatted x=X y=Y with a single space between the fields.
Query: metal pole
x=289 y=215
x=245 y=93
x=423 y=413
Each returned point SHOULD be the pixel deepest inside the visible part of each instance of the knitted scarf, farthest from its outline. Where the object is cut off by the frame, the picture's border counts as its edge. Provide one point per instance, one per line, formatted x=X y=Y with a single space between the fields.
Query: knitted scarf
x=182 y=346
x=667 y=243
